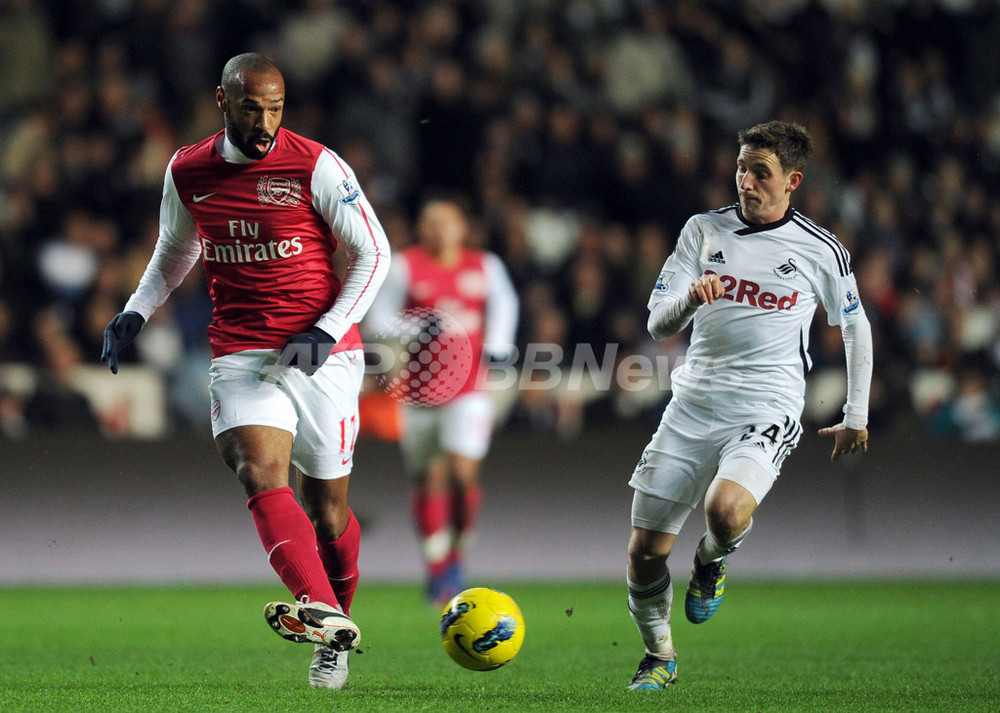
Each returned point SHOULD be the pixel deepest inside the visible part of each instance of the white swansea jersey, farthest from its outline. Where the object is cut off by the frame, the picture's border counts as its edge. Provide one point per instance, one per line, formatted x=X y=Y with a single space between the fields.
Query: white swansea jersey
x=750 y=349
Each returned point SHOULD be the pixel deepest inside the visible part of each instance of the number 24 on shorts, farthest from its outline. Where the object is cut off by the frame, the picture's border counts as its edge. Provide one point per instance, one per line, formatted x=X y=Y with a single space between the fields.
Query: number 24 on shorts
x=772 y=438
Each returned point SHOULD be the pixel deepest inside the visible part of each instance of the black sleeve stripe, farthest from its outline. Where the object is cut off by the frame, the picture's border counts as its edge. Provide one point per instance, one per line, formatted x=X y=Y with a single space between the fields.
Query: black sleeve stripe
x=803 y=354
x=816 y=226
x=827 y=237
x=839 y=251
x=726 y=209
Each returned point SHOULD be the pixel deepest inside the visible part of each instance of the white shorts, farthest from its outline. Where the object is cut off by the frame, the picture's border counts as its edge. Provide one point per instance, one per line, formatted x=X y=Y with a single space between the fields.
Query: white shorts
x=695 y=445
x=462 y=426
x=321 y=410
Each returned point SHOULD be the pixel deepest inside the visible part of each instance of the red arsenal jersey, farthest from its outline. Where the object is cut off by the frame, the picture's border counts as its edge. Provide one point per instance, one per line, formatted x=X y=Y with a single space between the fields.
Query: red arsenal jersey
x=268 y=255
x=460 y=291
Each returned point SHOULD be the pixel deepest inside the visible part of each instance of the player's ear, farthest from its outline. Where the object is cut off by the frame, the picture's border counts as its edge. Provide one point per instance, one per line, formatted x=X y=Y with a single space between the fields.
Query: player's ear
x=794 y=180
x=220 y=98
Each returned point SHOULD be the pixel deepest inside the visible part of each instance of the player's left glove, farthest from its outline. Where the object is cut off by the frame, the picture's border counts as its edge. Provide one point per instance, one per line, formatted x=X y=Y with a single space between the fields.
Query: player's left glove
x=118 y=334
x=308 y=351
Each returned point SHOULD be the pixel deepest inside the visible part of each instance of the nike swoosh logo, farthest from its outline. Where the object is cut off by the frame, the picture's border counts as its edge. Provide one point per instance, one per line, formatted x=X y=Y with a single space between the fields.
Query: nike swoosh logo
x=271 y=551
x=458 y=642
x=199 y=199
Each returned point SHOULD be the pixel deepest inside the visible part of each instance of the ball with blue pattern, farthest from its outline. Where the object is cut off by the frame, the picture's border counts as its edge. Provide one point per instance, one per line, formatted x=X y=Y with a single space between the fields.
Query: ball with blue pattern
x=482 y=629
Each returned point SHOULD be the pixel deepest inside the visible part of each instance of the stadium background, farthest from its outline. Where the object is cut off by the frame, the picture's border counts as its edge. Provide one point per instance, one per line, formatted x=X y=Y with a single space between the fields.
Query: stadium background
x=584 y=132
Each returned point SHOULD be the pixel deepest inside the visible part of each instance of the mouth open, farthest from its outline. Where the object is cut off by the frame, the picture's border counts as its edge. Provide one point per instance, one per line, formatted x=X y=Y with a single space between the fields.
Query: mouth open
x=262 y=143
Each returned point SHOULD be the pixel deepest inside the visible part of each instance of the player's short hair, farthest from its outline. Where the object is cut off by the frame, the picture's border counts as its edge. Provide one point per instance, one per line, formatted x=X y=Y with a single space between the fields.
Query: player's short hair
x=456 y=198
x=234 y=74
x=789 y=141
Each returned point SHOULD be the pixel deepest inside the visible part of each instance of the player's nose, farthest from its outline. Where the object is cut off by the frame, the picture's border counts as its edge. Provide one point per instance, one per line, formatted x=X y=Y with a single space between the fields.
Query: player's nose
x=267 y=123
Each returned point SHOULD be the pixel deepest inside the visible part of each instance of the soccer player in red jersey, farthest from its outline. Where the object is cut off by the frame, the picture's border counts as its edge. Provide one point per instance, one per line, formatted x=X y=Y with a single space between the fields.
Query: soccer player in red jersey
x=264 y=209
x=466 y=312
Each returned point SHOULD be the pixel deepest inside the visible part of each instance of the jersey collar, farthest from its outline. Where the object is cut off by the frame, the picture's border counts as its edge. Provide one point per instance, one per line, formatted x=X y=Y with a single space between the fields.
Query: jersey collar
x=754 y=228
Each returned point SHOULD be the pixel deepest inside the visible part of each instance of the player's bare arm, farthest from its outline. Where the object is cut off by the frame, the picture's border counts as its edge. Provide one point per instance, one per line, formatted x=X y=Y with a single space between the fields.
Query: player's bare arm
x=706 y=289
x=846 y=440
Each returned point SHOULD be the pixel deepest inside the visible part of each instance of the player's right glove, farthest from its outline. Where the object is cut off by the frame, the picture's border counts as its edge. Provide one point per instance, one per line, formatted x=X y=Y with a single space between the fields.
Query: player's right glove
x=118 y=334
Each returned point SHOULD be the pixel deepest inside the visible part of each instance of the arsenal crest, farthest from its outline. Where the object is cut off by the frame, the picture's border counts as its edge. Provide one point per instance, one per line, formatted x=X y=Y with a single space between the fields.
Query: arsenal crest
x=279 y=191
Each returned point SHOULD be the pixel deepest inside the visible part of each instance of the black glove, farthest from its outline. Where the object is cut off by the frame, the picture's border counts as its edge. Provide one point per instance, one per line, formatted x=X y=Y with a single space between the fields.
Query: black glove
x=118 y=334
x=308 y=351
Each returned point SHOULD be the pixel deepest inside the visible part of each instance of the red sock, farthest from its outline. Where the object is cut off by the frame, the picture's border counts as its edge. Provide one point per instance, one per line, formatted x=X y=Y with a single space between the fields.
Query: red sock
x=340 y=560
x=432 y=512
x=290 y=542
x=465 y=504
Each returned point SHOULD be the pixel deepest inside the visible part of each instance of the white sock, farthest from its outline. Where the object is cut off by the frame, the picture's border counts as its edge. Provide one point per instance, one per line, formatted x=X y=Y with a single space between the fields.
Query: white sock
x=710 y=549
x=649 y=605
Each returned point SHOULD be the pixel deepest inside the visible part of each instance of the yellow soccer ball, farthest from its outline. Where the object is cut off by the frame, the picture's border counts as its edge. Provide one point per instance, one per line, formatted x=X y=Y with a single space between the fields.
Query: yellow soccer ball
x=482 y=629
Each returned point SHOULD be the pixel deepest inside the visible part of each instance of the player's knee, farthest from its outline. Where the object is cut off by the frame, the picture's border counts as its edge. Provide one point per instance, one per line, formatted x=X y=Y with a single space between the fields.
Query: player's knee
x=464 y=469
x=257 y=476
x=727 y=517
x=728 y=508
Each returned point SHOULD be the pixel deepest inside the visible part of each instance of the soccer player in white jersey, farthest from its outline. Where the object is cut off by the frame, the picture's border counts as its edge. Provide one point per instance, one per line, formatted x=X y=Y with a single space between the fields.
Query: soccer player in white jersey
x=264 y=209
x=749 y=276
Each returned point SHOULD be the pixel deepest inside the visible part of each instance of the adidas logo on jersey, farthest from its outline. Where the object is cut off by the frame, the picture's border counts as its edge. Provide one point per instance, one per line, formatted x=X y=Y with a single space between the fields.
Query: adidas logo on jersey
x=717 y=257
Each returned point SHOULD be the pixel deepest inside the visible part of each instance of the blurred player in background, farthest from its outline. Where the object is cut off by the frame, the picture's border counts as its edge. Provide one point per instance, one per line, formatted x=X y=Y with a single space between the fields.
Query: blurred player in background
x=264 y=208
x=750 y=276
x=445 y=283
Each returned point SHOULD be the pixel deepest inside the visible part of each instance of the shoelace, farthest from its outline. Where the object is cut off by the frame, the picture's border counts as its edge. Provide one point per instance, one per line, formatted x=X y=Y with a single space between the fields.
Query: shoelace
x=708 y=577
x=328 y=661
x=647 y=667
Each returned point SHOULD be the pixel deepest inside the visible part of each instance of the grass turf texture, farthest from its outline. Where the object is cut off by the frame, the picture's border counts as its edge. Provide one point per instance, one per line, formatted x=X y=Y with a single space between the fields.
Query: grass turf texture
x=771 y=647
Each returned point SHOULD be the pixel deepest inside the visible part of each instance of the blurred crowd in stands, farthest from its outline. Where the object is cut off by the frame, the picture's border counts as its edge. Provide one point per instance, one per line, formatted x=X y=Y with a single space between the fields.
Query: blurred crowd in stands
x=584 y=132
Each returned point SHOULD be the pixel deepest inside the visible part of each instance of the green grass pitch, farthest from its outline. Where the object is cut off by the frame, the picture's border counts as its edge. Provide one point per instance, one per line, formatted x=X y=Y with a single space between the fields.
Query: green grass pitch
x=901 y=646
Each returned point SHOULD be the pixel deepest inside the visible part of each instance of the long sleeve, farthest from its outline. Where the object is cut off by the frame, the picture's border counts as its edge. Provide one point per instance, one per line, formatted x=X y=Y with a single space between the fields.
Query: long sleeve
x=337 y=197
x=389 y=302
x=502 y=307
x=667 y=318
x=857 y=336
x=670 y=305
x=177 y=249
x=838 y=290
